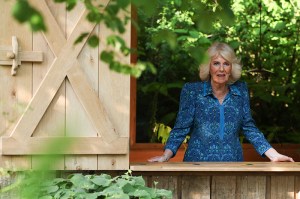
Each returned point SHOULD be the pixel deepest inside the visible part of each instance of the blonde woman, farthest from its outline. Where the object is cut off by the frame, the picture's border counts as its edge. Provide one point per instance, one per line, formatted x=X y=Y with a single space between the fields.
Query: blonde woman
x=215 y=110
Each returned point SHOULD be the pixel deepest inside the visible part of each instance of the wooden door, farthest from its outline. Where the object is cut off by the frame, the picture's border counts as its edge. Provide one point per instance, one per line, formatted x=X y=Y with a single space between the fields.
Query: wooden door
x=70 y=103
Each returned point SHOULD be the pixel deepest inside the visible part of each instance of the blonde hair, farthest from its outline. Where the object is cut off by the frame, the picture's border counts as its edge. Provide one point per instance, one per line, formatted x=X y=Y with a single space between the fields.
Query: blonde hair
x=224 y=50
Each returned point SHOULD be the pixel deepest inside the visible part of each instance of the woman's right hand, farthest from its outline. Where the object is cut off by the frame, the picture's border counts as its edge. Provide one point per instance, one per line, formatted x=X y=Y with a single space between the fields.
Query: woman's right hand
x=158 y=159
x=163 y=158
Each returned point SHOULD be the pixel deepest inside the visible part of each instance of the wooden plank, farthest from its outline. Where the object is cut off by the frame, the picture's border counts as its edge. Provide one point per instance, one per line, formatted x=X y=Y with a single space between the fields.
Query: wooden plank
x=48 y=162
x=30 y=56
x=53 y=121
x=114 y=87
x=219 y=166
x=80 y=162
x=78 y=120
x=166 y=182
x=113 y=162
x=251 y=187
x=55 y=19
x=64 y=145
x=15 y=92
x=282 y=187
x=297 y=187
x=223 y=187
x=114 y=91
x=195 y=187
x=78 y=125
x=92 y=105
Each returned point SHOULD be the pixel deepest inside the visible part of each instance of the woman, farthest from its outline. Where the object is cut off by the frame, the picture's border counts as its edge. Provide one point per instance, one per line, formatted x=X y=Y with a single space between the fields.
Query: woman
x=215 y=111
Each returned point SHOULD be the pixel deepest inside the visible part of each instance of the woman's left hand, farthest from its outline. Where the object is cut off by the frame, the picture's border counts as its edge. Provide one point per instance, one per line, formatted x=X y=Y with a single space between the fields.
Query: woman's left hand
x=282 y=158
x=274 y=156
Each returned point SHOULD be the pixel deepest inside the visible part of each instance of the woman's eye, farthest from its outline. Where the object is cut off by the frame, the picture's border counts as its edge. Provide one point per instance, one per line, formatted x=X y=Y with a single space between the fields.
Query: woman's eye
x=226 y=64
x=216 y=63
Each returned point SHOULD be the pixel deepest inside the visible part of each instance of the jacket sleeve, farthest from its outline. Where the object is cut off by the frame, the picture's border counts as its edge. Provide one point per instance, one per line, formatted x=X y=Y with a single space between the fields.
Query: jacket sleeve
x=251 y=132
x=185 y=118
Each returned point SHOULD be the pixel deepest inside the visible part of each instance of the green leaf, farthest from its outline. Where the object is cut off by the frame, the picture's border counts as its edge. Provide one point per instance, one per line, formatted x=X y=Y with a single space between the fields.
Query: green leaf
x=24 y=13
x=194 y=34
x=113 y=190
x=102 y=180
x=178 y=2
x=94 y=16
x=81 y=37
x=198 y=53
x=50 y=189
x=93 y=41
x=82 y=182
x=123 y=3
x=164 y=193
x=71 y=4
x=280 y=25
x=139 y=180
x=141 y=194
x=148 y=7
x=107 y=56
x=165 y=36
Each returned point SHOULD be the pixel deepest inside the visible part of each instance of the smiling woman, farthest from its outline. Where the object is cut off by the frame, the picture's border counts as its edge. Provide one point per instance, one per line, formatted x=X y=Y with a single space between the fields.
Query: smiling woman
x=214 y=111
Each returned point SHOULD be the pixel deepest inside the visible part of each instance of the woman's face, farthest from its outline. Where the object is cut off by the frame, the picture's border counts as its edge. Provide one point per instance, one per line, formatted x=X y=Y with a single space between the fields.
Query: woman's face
x=220 y=70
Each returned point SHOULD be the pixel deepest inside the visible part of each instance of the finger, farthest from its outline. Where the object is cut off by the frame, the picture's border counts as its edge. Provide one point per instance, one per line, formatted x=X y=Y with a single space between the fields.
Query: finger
x=153 y=159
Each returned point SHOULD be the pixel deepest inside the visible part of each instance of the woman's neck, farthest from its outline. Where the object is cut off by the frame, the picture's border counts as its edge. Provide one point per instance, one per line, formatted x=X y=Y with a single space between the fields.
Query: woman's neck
x=219 y=91
x=219 y=88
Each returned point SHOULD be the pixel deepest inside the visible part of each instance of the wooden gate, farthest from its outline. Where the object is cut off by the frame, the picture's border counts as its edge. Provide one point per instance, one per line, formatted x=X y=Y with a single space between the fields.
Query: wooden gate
x=60 y=90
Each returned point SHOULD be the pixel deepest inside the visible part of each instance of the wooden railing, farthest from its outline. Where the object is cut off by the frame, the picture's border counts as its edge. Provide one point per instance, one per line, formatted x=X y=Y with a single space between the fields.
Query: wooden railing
x=234 y=180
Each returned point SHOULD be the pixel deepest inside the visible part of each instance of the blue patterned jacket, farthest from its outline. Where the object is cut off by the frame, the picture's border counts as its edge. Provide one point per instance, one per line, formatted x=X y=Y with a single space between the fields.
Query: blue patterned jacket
x=215 y=127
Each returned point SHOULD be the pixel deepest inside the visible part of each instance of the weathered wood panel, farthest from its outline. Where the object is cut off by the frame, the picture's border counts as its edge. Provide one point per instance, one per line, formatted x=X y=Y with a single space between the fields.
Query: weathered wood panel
x=70 y=93
x=251 y=187
x=166 y=182
x=223 y=187
x=15 y=93
x=234 y=180
x=195 y=187
x=297 y=187
x=282 y=187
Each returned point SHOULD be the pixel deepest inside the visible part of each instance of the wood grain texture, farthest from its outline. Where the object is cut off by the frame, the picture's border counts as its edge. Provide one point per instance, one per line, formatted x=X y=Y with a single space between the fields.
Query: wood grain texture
x=15 y=93
x=65 y=99
x=223 y=187
x=166 y=182
x=297 y=187
x=219 y=166
x=251 y=187
x=195 y=187
x=282 y=187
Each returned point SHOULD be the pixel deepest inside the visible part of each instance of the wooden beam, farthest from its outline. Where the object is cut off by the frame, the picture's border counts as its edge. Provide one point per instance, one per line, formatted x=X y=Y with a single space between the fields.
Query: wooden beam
x=63 y=145
x=219 y=166
x=92 y=104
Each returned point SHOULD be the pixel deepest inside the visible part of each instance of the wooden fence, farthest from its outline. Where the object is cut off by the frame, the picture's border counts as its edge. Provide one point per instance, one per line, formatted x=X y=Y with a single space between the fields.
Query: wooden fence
x=245 y=180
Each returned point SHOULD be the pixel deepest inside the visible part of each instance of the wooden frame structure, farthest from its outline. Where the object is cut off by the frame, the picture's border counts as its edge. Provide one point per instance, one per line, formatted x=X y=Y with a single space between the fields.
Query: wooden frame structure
x=243 y=180
x=71 y=97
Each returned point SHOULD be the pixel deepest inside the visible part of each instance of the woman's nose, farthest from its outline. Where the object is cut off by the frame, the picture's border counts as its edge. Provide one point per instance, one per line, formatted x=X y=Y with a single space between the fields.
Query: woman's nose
x=221 y=67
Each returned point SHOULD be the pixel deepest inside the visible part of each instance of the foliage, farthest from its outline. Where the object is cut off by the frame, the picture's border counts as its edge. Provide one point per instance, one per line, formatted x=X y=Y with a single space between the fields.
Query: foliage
x=265 y=34
x=185 y=37
x=98 y=13
x=37 y=184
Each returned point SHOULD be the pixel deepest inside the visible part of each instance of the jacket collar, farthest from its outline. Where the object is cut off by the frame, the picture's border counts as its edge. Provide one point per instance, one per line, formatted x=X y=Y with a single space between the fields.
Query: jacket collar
x=207 y=89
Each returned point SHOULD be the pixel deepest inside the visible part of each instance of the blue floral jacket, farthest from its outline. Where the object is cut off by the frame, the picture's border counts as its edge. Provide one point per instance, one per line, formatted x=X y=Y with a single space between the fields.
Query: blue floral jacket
x=215 y=127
